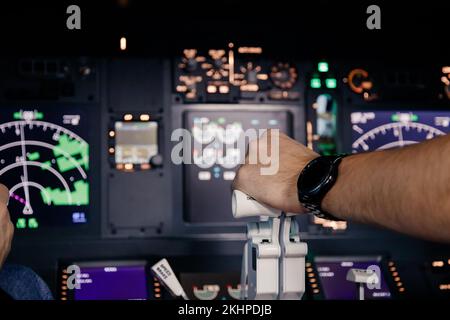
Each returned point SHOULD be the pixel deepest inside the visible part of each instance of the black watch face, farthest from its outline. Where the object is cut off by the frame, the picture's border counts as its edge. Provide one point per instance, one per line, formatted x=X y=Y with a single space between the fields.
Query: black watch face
x=314 y=176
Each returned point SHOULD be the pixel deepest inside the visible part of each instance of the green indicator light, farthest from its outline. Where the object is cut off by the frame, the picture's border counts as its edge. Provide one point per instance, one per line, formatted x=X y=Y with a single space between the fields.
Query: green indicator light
x=32 y=223
x=33 y=156
x=17 y=115
x=38 y=115
x=21 y=223
x=405 y=117
x=322 y=66
x=315 y=83
x=331 y=83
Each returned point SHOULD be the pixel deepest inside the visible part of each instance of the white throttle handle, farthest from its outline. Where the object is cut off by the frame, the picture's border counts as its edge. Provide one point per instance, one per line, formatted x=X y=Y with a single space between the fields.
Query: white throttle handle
x=244 y=206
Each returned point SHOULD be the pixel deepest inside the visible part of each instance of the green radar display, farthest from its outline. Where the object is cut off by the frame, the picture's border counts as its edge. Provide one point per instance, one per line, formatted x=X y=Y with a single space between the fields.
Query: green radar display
x=44 y=161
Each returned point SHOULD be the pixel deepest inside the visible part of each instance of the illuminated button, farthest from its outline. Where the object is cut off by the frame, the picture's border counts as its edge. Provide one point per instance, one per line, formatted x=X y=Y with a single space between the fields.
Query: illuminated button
x=229 y=175
x=204 y=175
x=315 y=83
x=181 y=88
x=331 y=83
x=123 y=43
x=128 y=117
x=128 y=166
x=144 y=117
x=322 y=66
x=112 y=134
x=444 y=287
x=32 y=223
x=437 y=264
x=211 y=89
x=21 y=223
x=224 y=89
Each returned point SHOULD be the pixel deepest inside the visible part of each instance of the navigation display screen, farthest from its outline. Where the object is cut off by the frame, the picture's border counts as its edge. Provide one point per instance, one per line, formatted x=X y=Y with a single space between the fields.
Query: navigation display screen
x=44 y=161
x=377 y=130
x=127 y=282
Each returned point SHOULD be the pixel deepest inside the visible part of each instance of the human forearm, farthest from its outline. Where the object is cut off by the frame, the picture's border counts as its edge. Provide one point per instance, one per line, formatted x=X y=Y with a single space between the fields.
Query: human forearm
x=405 y=189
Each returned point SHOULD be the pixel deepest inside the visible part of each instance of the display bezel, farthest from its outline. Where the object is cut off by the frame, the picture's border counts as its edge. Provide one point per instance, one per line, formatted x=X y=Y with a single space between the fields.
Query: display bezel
x=82 y=230
x=67 y=294
x=382 y=261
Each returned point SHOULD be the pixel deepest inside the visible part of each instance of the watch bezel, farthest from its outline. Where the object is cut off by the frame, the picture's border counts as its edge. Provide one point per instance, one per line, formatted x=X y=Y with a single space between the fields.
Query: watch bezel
x=311 y=198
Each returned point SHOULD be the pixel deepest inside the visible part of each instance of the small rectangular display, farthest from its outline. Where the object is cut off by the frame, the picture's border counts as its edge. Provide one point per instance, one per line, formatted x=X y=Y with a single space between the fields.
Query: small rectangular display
x=136 y=142
x=378 y=130
x=333 y=271
x=112 y=282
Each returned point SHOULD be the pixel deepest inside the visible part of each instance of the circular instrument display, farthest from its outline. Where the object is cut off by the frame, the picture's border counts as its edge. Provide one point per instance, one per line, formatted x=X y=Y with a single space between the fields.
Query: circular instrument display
x=384 y=130
x=283 y=75
x=44 y=162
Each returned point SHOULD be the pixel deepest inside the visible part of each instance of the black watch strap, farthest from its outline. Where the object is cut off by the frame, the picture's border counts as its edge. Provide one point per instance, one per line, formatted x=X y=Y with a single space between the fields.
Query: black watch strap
x=312 y=199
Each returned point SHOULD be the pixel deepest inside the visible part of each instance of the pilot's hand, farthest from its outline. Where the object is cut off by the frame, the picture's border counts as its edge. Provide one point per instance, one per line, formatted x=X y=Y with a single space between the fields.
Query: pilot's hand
x=6 y=226
x=278 y=190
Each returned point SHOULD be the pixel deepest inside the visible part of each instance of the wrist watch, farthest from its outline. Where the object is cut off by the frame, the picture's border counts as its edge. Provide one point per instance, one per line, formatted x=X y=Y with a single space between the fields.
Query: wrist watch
x=315 y=180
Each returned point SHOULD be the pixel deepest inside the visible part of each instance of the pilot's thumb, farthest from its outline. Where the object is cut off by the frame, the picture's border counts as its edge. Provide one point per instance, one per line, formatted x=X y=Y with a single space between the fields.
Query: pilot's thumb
x=4 y=194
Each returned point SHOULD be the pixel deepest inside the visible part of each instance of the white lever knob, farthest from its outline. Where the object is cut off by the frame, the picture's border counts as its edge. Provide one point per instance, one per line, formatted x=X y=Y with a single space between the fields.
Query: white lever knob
x=244 y=206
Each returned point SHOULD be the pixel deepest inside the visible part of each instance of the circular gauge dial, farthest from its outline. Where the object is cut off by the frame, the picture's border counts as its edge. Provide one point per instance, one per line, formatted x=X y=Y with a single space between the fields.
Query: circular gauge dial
x=45 y=166
x=284 y=75
x=384 y=130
